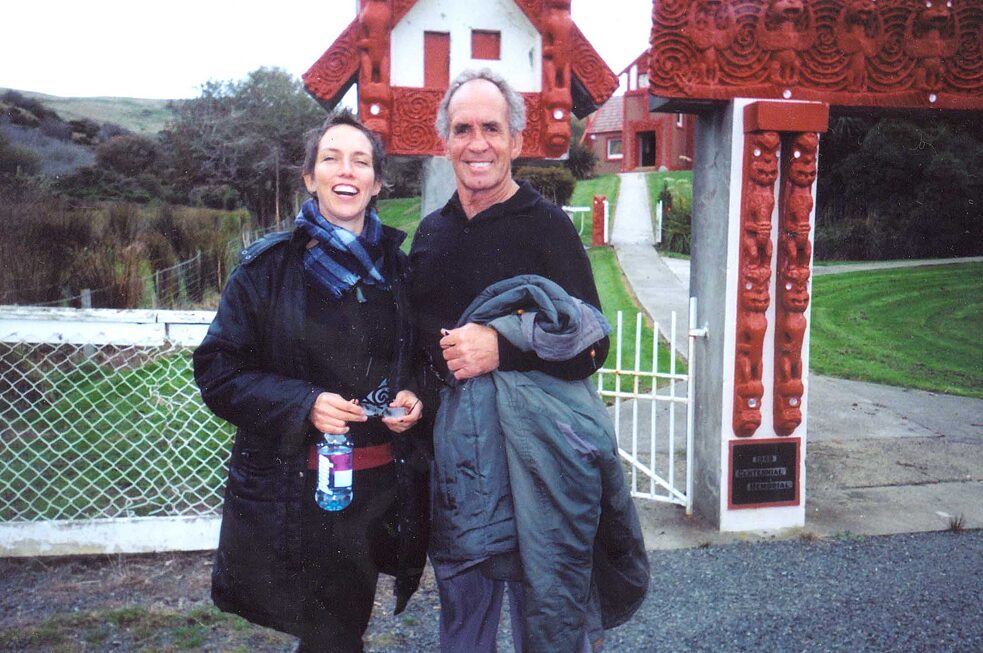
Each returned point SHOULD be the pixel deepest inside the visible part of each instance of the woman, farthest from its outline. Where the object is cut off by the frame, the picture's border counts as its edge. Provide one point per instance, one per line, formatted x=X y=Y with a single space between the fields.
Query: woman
x=313 y=336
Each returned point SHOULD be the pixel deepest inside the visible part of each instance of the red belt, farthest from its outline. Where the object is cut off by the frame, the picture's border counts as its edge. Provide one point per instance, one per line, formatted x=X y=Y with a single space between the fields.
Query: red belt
x=362 y=457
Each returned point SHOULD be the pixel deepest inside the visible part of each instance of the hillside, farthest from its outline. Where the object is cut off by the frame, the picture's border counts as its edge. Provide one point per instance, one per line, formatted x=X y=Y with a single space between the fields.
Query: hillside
x=141 y=116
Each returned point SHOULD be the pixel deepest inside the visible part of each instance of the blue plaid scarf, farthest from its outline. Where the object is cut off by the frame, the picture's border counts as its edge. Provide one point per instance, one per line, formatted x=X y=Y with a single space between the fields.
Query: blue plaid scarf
x=341 y=259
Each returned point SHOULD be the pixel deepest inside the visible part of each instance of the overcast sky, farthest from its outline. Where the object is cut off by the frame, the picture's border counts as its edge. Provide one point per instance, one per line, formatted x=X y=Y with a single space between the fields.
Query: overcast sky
x=135 y=48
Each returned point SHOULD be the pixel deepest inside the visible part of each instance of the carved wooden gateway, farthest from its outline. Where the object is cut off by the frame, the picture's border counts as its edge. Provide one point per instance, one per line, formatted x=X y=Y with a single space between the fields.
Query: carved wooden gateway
x=873 y=53
x=402 y=54
x=762 y=76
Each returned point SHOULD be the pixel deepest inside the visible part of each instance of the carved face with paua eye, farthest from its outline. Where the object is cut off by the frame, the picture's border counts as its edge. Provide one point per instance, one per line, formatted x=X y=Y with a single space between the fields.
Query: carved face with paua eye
x=802 y=167
x=764 y=162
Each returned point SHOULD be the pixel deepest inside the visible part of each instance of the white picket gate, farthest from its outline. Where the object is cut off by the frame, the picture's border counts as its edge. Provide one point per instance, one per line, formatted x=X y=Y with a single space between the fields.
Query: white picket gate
x=652 y=436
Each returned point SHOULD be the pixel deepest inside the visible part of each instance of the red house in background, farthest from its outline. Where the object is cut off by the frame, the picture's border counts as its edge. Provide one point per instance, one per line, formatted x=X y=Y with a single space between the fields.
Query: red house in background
x=625 y=135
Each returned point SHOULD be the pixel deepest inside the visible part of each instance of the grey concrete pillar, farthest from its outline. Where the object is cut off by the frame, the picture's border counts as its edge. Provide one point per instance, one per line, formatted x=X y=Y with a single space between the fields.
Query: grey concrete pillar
x=438 y=184
x=708 y=279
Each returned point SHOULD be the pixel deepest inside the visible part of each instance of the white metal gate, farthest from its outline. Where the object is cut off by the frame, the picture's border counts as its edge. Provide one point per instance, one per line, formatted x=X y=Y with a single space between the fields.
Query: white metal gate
x=648 y=398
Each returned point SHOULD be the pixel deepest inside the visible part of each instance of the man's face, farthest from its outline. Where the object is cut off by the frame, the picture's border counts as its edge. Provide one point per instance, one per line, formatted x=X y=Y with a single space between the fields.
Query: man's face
x=479 y=144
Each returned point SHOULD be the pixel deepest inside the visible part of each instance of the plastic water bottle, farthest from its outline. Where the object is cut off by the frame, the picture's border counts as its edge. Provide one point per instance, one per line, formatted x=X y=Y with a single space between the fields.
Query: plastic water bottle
x=334 y=472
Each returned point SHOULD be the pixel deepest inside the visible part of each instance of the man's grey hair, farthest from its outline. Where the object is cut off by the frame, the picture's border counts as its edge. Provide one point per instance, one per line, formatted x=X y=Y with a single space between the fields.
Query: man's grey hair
x=516 y=105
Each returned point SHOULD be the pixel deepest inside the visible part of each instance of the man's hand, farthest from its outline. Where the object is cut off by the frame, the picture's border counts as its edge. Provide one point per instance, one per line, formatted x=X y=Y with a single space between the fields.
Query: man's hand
x=414 y=410
x=470 y=351
x=331 y=413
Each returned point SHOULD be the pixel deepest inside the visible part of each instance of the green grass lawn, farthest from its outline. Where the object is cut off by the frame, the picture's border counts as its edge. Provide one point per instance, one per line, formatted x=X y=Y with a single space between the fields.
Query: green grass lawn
x=615 y=296
x=583 y=195
x=403 y=213
x=142 y=431
x=910 y=327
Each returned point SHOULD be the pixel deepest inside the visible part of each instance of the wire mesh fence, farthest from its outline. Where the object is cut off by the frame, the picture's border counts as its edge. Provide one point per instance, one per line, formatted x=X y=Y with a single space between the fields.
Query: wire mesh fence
x=94 y=429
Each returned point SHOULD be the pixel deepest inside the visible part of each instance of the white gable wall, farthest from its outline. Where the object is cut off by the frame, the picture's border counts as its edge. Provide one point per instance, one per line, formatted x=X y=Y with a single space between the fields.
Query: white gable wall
x=521 y=51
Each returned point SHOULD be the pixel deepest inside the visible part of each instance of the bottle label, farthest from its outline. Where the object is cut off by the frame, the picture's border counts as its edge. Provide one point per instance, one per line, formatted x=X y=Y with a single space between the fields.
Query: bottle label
x=338 y=466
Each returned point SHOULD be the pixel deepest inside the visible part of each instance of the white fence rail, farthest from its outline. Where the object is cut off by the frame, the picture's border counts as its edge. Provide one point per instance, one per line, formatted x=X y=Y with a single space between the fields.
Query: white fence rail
x=105 y=445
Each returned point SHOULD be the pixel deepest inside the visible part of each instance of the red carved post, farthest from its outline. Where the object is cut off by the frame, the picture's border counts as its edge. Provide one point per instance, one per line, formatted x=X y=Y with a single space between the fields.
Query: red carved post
x=557 y=99
x=597 y=232
x=754 y=275
x=375 y=93
x=794 y=260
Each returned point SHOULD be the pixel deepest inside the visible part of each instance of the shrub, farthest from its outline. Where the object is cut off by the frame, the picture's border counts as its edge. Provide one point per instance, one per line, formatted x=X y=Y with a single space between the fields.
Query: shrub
x=84 y=131
x=17 y=161
x=677 y=215
x=403 y=177
x=214 y=196
x=581 y=161
x=93 y=183
x=127 y=155
x=554 y=183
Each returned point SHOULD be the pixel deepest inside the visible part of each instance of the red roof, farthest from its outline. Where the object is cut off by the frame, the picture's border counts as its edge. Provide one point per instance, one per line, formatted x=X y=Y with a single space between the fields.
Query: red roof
x=608 y=118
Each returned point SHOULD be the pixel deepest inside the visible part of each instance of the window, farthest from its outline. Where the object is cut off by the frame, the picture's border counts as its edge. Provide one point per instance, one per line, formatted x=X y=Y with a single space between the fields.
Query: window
x=486 y=44
x=679 y=120
x=614 y=148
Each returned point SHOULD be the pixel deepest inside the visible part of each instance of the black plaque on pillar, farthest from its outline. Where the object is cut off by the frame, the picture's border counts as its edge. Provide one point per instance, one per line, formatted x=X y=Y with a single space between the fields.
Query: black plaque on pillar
x=764 y=473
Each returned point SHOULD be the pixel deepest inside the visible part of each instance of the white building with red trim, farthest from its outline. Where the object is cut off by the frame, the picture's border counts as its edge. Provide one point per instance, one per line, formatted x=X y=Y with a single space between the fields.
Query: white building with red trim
x=624 y=135
x=402 y=54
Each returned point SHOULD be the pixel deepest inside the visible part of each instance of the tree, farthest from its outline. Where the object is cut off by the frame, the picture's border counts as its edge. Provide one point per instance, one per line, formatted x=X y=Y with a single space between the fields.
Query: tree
x=899 y=189
x=248 y=135
x=129 y=155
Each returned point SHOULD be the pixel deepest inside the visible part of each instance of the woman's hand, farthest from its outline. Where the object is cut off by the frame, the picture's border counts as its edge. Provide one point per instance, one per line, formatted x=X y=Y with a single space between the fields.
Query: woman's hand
x=332 y=412
x=414 y=410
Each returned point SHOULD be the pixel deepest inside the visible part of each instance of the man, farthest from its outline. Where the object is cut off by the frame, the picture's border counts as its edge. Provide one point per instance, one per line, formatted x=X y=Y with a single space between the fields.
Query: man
x=491 y=230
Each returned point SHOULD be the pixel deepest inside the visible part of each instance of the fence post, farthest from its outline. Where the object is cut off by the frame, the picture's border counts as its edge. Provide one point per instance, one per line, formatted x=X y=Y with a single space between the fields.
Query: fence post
x=598 y=233
x=658 y=223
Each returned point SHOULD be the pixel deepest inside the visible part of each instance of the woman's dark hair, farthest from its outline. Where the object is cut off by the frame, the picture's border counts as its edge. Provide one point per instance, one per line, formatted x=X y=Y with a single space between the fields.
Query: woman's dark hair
x=344 y=117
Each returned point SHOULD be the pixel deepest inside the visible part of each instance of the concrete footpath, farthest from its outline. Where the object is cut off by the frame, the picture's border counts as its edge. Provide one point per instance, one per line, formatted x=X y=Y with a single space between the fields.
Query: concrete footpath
x=880 y=459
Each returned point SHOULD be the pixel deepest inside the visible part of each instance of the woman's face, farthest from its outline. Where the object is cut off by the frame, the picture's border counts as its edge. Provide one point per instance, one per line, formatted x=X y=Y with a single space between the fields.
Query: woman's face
x=343 y=179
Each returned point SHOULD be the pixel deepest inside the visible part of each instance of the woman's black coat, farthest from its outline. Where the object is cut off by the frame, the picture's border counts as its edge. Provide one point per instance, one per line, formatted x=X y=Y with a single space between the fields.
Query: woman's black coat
x=252 y=372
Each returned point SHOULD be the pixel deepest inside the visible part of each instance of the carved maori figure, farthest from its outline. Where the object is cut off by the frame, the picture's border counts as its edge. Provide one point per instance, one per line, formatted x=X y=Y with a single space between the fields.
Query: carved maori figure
x=711 y=28
x=795 y=225
x=860 y=34
x=375 y=93
x=760 y=197
x=758 y=203
x=931 y=35
x=789 y=335
x=785 y=29
x=751 y=327
x=557 y=99
x=794 y=269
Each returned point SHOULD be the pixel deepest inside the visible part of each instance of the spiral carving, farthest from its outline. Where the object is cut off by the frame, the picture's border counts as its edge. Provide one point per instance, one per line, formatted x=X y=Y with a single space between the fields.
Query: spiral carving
x=331 y=73
x=590 y=69
x=846 y=52
x=414 y=113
